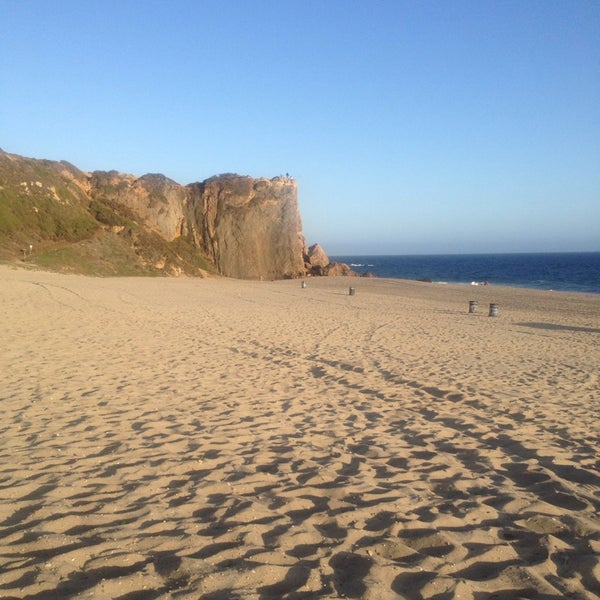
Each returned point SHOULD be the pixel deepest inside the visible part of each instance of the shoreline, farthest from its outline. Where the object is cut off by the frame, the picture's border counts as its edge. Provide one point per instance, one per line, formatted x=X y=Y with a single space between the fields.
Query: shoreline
x=460 y=284
x=556 y=271
x=223 y=438
x=488 y=284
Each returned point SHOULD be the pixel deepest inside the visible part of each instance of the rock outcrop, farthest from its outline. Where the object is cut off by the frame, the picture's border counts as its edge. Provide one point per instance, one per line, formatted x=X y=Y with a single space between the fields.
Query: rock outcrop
x=317 y=263
x=249 y=228
x=337 y=269
x=235 y=225
x=156 y=200
x=316 y=260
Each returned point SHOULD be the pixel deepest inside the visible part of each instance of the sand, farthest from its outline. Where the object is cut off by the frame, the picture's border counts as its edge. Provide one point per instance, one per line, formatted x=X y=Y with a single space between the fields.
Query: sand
x=189 y=438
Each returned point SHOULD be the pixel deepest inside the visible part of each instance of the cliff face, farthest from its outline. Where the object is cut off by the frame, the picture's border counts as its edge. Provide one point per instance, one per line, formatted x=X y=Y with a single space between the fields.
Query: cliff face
x=155 y=199
x=235 y=225
x=250 y=228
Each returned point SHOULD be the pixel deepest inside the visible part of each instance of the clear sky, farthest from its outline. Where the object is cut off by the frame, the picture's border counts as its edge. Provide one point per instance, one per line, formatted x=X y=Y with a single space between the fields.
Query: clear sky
x=411 y=126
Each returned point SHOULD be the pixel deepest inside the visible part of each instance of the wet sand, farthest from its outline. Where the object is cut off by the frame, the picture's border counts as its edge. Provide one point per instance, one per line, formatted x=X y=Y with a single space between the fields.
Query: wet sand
x=219 y=439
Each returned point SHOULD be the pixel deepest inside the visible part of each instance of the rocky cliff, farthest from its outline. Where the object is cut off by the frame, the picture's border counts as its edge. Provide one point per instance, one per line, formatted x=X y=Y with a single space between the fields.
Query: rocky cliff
x=233 y=225
x=248 y=227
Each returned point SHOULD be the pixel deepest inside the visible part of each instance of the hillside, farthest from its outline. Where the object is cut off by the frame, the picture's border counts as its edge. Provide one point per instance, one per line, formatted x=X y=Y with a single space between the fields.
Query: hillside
x=57 y=217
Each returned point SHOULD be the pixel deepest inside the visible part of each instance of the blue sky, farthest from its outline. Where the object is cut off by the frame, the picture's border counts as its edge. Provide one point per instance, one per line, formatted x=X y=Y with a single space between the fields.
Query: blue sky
x=411 y=126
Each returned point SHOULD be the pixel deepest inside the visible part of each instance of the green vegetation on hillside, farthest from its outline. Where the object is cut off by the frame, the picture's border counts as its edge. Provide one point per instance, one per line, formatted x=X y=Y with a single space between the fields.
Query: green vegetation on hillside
x=48 y=218
x=41 y=216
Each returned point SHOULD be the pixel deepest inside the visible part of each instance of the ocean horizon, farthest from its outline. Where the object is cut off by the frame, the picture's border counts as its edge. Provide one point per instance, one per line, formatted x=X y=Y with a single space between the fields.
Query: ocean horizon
x=560 y=271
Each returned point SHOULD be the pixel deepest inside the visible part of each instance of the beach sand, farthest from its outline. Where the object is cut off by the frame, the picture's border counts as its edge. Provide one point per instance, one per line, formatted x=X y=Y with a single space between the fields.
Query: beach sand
x=219 y=439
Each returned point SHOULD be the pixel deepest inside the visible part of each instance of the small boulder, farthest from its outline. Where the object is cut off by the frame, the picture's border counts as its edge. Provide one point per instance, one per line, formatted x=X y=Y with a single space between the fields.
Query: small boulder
x=339 y=270
x=316 y=256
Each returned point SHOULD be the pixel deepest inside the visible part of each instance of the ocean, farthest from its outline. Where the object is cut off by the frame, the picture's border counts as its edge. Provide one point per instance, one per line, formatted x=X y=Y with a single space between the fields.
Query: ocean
x=568 y=271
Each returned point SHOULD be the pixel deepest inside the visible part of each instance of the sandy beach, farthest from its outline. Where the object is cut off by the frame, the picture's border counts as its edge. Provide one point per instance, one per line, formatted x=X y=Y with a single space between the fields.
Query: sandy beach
x=221 y=439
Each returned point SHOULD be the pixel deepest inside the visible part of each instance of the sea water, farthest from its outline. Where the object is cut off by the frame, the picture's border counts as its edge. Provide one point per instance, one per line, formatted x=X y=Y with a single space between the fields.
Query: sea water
x=568 y=271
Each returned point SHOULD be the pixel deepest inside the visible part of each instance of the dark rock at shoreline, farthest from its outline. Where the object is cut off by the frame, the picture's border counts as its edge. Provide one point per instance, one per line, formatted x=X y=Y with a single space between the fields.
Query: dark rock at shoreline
x=336 y=269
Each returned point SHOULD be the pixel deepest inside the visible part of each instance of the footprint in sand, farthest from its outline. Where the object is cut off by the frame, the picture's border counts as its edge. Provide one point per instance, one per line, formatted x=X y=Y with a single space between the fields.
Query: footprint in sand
x=349 y=571
x=426 y=541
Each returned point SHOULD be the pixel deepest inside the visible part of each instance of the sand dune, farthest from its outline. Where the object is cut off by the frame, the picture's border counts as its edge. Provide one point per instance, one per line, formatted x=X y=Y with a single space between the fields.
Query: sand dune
x=180 y=438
